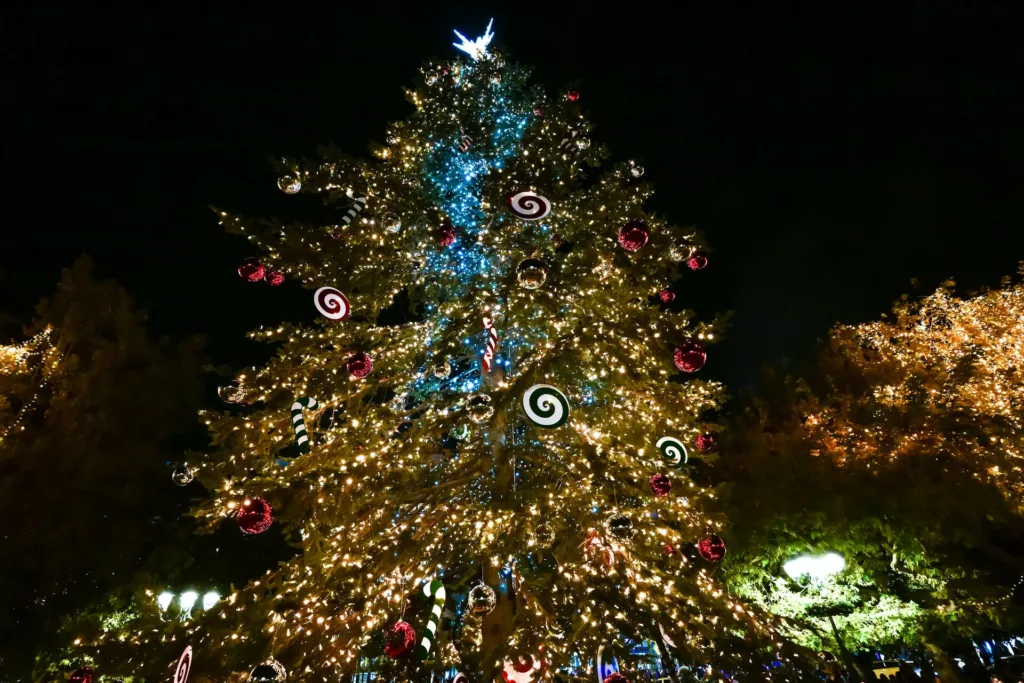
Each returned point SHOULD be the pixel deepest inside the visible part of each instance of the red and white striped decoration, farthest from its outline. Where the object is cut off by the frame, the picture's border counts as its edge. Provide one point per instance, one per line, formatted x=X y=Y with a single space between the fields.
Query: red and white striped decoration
x=492 y=344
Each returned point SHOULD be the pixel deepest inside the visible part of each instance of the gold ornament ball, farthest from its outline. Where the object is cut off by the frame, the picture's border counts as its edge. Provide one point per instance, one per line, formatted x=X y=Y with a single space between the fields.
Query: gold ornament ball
x=391 y=222
x=289 y=184
x=482 y=599
x=531 y=273
x=620 y=526
x=544 y=536
x=480 y=408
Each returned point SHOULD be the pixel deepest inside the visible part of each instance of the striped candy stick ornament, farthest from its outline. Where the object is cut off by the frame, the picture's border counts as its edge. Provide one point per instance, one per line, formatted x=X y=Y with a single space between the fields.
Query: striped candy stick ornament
x=465 y=141
x=435 y=590
x=358 y=204
x=492 y=344
x=301 y=438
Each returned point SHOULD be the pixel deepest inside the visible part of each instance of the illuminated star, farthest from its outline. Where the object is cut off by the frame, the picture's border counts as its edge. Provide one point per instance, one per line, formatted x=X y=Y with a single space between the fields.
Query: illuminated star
x=477 y=49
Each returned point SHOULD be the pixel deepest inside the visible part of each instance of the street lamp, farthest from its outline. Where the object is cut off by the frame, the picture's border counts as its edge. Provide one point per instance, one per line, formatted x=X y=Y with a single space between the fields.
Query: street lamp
x=816 y=567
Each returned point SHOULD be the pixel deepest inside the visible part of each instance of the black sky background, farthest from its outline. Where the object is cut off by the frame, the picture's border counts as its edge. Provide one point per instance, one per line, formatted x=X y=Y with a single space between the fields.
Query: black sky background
x=829 y=155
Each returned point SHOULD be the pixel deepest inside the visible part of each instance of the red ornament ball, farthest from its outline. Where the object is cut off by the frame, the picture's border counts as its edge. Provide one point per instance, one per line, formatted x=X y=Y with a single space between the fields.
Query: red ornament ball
x=668 y=549
x=83 y=675
x=538 y=111
x=446 y=235
x=523 y=664
x=697 y=262
x=275 y=278
x=360 y=365
x=705 y=441
x=711 y=548
x=252 y=270
x=399 y=640
x=633 y=235
x=690 y=356
x=615 y=678
x=573 y=95
x=666 y=296
x=255 y=516
x=661 y=485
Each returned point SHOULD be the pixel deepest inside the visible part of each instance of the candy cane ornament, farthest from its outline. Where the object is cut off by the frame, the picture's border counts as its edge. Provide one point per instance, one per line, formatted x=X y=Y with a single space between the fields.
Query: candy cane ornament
x=492 y=344
x=435 y=590
x=301 y=438
x=358 y=204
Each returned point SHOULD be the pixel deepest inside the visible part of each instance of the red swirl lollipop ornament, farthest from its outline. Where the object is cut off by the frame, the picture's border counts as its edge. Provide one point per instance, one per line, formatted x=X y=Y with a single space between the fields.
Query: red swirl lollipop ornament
x=331 y=303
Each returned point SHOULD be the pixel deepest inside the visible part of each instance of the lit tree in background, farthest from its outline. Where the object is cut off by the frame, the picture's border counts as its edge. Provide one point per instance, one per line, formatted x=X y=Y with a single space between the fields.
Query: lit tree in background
x=893 y=453
x=941 y=377
x=499 y=486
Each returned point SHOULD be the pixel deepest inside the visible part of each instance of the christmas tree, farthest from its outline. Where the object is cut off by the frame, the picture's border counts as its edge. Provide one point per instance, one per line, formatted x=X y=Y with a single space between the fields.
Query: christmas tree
x=499 y=487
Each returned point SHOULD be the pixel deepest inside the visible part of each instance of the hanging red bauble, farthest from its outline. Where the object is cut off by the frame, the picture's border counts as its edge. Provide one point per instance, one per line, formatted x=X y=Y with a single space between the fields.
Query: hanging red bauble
x=690 y=356
x=538 y=111
x=573 y=95
x=275 y=278
x=83 y=675
x=255 y=516
x=697 y=262
x=399 y=640
x=666 y=296
x=711 y=548
x=633 y=235
x=615 y=678
x=668 y=549
x=705 y=441
x=446 y=235
x=661 y=485
x=360 y=365
x=252 y=270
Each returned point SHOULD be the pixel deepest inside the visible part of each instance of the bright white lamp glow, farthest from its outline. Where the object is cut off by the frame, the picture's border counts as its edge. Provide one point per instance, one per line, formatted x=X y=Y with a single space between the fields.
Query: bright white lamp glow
x=817 y=567
x=164 y=600
x=186 y=601
x=210 y=599
x=476 y=49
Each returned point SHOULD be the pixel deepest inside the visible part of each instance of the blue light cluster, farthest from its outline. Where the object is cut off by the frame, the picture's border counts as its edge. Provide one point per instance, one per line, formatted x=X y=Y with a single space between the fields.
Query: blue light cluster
x=454 y=178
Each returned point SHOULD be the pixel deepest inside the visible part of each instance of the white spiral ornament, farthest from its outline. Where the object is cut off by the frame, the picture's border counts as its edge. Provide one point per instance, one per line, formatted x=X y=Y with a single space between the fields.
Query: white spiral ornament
x=529 y=206
x=546 y=406
x=331 y=303
x=673 y=451
x=184 y=665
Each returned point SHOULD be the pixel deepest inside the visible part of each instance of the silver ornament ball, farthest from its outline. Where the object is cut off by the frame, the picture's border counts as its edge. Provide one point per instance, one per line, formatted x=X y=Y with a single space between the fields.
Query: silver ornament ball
x=183 y=475
x=531 y=273
x=636 y=171
x=544 y=536
x=583 y=143
x=620 y=526
x=442 y=369
x=231 y=392
x=270 y=671
x=480 y=408
x=482 y=599
x=289 y=184
x=391 y=222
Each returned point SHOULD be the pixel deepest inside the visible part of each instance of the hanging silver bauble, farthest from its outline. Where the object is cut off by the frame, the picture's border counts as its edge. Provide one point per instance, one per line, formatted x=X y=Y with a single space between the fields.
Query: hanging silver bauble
x=620 y=526
x=270 y=671
x=391 y=222
x=289 y=184
x=680 y=251
x=531 y=273
x=480 y=408
x=482 y=599
x=231 y=392
x=183 y=475
x=636 y=171
x=441 y=369
x=583 y=143
x=544 y=535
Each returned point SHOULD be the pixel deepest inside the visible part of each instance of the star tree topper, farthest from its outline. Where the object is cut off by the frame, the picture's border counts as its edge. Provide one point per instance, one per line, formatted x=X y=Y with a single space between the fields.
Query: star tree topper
x=477 y=49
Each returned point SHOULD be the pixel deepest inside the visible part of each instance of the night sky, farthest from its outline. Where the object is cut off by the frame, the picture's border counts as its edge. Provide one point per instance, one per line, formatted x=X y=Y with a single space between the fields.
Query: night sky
x=829 y=158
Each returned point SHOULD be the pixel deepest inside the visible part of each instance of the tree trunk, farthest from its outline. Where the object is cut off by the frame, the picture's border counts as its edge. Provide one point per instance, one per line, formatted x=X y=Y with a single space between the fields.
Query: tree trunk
x=943 y=663
x=852 y=665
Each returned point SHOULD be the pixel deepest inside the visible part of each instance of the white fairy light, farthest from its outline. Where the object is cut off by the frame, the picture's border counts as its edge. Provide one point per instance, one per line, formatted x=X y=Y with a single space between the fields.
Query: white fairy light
x=817 y=567
x=210 y=599
x=186 y=601
x=164 y=600
x=477 y=49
